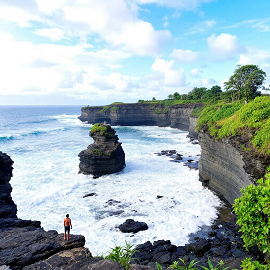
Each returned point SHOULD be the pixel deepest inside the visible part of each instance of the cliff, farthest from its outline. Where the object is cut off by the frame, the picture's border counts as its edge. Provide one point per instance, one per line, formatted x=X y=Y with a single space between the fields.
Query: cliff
x=105 y=155
x=225 y=167
x=234 y=139
x=148 y=114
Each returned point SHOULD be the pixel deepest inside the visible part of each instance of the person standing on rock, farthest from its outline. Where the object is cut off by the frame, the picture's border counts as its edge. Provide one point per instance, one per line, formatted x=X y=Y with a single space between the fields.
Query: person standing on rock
x=67 y=226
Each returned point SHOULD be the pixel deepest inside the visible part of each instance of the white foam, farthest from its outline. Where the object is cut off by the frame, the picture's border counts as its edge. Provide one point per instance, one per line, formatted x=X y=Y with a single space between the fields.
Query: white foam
x=47 y=181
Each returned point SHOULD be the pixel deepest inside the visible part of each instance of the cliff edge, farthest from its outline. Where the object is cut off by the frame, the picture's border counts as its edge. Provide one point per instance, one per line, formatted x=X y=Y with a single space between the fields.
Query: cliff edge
x=148 y=114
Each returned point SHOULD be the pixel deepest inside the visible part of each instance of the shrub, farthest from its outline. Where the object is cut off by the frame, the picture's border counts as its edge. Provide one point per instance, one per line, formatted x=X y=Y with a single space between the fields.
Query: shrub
x=248 y=264
x=99 y=128
x=253 y=214
x=122 y=255
x=253 y=217
x=104 y=109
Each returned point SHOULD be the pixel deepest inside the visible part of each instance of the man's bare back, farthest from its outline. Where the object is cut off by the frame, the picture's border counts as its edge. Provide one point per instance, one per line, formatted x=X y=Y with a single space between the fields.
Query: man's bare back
x=67 y=226
x=67 y=222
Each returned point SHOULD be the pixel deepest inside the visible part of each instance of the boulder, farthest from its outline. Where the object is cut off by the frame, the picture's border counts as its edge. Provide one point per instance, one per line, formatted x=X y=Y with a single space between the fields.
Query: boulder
x=105 y=155
x=132 y=226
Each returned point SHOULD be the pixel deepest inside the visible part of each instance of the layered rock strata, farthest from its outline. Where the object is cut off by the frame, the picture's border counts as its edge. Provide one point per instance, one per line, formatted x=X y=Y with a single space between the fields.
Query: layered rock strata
x=136 y=114
x=225 y=167
x=105 y=155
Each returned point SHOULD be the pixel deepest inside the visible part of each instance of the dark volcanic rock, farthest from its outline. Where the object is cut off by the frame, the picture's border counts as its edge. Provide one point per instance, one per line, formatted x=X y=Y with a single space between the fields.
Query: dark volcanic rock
x=77 y=258
x=24 y=246
x=132 y=226
x=7 y=206
x=24 y=242
x=105 y=155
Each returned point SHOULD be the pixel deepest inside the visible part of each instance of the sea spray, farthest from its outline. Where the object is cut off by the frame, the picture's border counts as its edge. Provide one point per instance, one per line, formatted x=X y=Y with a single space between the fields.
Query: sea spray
x=46 y=184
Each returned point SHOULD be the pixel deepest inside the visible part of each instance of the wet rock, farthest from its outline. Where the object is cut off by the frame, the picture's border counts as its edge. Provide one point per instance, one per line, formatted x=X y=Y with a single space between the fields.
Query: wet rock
x=132 y=226
x=90 y=195
x=200 y=247
x=105 y=155
x=112 y=202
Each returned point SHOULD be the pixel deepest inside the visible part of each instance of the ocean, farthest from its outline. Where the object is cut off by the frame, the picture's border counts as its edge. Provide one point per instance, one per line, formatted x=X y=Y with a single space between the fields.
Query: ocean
x=44 y=143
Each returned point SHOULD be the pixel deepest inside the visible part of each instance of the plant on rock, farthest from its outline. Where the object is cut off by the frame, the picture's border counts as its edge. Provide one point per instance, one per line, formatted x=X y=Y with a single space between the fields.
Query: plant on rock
x=122 y=255
x=253 y=214
x=184 y=266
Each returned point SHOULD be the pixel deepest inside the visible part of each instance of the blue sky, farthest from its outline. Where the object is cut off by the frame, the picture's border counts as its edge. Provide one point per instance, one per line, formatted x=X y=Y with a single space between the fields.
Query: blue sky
x=95 y=52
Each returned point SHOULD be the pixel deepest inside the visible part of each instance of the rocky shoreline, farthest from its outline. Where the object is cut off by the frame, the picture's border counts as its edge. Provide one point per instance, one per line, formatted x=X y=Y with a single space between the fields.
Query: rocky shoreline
x=24 y=244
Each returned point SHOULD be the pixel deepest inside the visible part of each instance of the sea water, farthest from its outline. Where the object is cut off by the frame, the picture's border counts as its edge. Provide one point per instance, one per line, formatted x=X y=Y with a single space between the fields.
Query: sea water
x=44 y=143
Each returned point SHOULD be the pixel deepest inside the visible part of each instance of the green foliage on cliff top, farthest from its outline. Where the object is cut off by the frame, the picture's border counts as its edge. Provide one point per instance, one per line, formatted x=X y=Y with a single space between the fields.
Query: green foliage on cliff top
x=99 y=128
x=104 y=109
x=228 y=120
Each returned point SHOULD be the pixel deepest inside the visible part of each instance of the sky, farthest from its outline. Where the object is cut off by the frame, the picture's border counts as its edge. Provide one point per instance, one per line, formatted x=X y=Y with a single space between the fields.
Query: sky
x=96 y=52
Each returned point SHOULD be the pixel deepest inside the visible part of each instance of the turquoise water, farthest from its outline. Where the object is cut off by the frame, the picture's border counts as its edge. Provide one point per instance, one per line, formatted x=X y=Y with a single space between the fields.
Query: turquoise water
x=44 y=143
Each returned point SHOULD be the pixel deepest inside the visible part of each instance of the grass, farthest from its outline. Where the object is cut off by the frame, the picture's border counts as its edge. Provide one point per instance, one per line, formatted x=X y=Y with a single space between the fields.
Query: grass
x=197 y=111
x=228 y=120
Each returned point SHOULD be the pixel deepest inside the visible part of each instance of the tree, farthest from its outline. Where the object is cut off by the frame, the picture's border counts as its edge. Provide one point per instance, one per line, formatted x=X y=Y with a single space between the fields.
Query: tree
x=245 y=81
x=198 y=92
x=176 y=95
x=153 y=99
x=170 y=96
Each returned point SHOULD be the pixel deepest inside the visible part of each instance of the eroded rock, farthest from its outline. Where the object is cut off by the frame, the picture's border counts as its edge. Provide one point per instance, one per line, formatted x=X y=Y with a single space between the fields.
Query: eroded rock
x=105 y=155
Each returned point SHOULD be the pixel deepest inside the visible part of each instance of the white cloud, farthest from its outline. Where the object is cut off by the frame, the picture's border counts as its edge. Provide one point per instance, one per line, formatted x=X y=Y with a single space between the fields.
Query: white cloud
x=164 y=75
x=184 y=56
x=224 y=46
x=115 y=22
x=260 y=24
x=257 y=57
x=55 y=34
x=41 y=69
x=201 y=27
x=195 y=72
x=179 y=4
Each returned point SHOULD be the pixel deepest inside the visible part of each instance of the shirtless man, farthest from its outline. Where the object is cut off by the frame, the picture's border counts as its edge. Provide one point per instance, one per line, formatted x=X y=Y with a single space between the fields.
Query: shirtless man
x=67 y=226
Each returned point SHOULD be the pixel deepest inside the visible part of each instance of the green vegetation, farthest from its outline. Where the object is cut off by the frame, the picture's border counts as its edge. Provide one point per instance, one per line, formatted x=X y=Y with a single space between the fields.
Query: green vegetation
x=99 y=128
x=122 y=255
x=245 y=82
x=184 y=266
x=114 y=108
x=219 y=266
x=253 y=217
x=197 y=111
x=226 y=120
x=191 y=265
x=104 y=109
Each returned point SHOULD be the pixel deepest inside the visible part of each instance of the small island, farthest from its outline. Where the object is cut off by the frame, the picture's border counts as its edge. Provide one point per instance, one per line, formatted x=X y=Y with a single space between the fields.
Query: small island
x=105 y=155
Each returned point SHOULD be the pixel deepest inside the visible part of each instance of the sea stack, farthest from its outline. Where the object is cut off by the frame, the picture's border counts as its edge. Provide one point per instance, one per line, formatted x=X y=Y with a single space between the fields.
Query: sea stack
x=105 y=155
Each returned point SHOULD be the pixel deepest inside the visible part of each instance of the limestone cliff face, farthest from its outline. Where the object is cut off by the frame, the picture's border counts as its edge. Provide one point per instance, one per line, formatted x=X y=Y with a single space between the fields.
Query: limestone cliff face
x=177 y=116
x=105 y=155
x=226 y=168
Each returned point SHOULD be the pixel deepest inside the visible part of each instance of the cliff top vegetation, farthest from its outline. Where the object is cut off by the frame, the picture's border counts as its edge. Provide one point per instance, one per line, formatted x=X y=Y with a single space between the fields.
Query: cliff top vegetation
x=237 y=118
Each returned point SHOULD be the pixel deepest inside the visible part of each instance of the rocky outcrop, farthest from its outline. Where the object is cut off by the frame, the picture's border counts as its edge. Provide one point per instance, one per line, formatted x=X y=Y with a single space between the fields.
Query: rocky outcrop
x=7 y=206
x=25 y=245
x=225 y=167
x=105 y=155
x=148 y=114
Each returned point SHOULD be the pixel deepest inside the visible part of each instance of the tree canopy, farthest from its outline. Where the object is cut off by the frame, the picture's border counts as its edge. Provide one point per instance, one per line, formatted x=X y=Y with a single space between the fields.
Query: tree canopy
x=245 y=81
